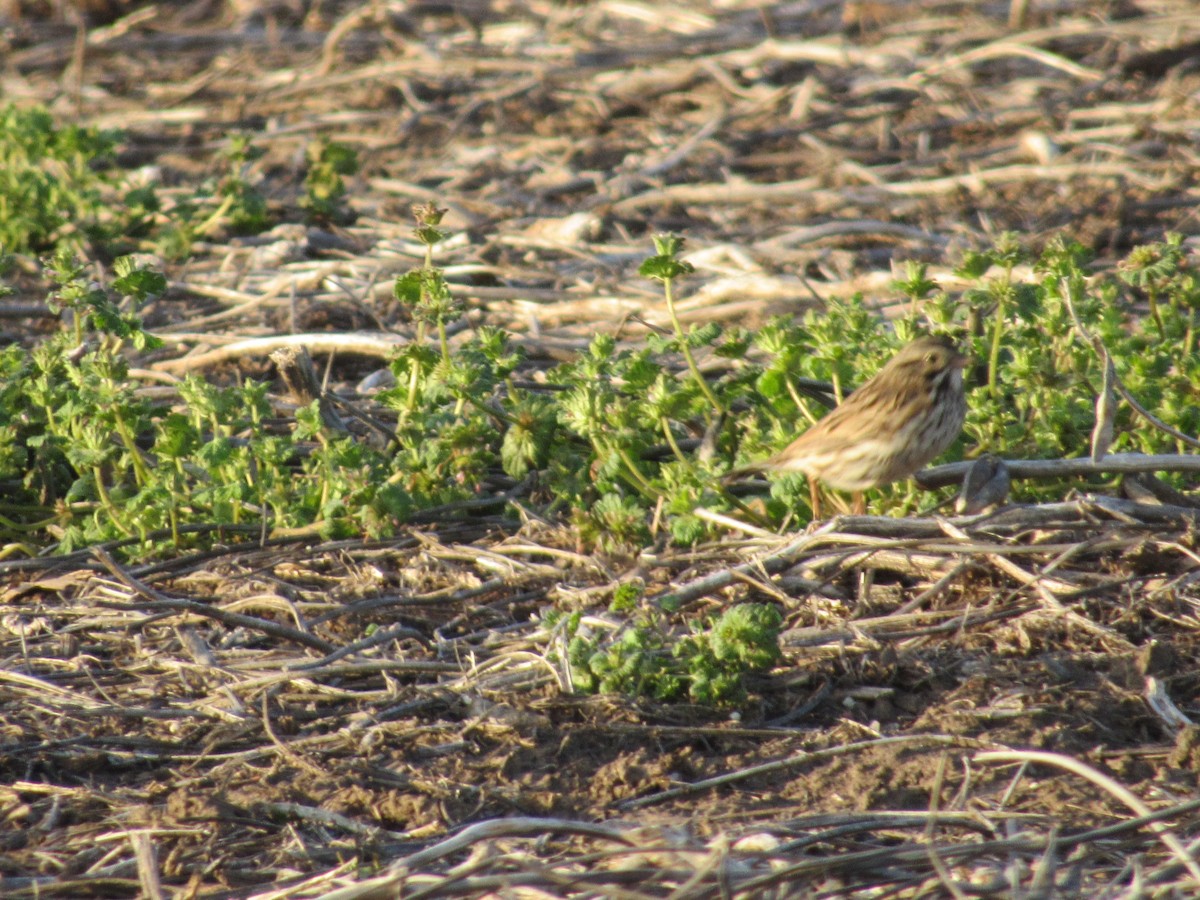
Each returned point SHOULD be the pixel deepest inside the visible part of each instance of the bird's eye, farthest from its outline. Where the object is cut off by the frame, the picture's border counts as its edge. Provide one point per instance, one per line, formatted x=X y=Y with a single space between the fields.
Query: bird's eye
x=931 y=357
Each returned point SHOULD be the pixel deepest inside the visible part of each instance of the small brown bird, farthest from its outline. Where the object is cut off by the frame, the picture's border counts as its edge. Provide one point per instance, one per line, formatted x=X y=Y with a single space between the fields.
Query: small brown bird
x=905 y=416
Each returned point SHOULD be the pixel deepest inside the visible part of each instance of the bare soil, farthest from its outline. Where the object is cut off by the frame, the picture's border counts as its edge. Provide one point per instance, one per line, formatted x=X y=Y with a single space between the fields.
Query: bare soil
x=394 y=720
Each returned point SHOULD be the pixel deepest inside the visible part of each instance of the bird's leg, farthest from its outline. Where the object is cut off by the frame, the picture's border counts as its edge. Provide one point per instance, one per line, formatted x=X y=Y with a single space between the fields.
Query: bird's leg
x=814 y=497
x=860 y=504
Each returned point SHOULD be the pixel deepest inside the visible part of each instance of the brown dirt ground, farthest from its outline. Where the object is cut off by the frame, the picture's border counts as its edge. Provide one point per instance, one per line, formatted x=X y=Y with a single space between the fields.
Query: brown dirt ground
x=160 y=752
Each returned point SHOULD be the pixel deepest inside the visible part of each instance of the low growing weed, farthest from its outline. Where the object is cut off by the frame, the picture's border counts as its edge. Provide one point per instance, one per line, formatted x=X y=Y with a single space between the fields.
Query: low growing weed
x=61 y=187
x=707 y=666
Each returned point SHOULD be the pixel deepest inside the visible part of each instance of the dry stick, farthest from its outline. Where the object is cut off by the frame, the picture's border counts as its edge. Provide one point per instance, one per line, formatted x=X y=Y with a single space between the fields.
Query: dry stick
x=842 y=823
x=978 y=182
x=1004 y=564
x=1050 y=601
x=715 y=860
x=936 y=740
x=1114 y=463
x=814 y=637
x=868 y=823
x=48 y=693
x=782 y=192
x=895 y=856
x=622 y=185
x=534 y=878
x=933 y=590
x=159 y=602
x=146 y=856
x=328 y=819
x=771 y=563
x=305 y=887
x=881 y=863
x=899 y=554
x=732 y=523
x=345 y=670
x=1103 y=782
x=379 y=637
x=1009 y=47
x=826 y=52
x=812 y=233
x=764 y=587
x=935 y=859
x=1014 y=520
x=1107 y=831
x=83 y=558
x=443 y=597
x=283 y=749
x=904 y=560
x=340 y=29
x=380 y=345
x=518 y=826
x=245 y=303
x=465 y=879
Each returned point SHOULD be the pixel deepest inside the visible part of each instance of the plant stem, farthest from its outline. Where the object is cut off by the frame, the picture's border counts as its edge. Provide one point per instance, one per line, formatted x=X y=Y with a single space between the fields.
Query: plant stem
x=1152 y=296
x=414 y=377
x=801 y=405
x=666 y=429
x=140 y=473
x=210 y=224
x=441 y=327
x=13 y=525
x=493 y=411
x=687 y=350
x=107 y=503
x=645 y=486
x=994 y=352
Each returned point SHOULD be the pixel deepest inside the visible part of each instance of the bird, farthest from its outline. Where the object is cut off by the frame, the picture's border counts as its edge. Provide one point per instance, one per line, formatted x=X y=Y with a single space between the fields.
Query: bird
x=904 y=417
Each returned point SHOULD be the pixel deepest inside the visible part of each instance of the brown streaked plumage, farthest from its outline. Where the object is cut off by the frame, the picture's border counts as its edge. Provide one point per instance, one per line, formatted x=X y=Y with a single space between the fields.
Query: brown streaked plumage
x=905 y=416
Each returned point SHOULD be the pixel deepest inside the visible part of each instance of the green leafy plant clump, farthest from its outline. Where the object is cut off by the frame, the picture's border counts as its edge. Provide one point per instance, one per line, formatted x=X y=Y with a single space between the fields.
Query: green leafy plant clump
x=708 y=666
x=325 y=185
x=61 y=185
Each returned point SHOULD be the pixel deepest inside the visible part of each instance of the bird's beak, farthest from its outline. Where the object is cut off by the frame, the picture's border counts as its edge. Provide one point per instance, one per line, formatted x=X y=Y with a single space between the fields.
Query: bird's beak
x=961 y=361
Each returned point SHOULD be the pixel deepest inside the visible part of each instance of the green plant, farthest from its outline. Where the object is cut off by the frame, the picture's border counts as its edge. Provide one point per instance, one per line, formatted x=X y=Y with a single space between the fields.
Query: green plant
x=1160 y=270
x=664 y=267
x=427 y=295
x=60 y=186
x=459 y=415
x=324 y=183
x=73 y=418
x=242 y=207
x=710 y=665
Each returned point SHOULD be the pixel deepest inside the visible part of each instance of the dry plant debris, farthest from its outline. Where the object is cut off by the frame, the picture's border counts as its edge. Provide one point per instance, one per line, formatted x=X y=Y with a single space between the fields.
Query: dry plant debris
x=998 y=705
